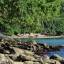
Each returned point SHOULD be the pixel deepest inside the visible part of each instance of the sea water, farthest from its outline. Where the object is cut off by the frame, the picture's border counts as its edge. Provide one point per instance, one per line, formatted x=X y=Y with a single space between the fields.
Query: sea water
x=54 y=42
x=51 y=41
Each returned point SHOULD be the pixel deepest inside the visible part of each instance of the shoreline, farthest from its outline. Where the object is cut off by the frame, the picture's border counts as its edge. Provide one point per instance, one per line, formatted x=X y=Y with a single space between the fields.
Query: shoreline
x=33 y=54
x=34 y=36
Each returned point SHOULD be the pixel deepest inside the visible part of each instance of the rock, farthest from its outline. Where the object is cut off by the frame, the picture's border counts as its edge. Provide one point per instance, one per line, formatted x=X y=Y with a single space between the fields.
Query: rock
x=5 y=60
x=45 y=57
x=46 y=63
x=19 y=51
x=7 y=52
x=53 y=57
x=2 y=50
x=54 y=62
x=25 y=58
x=55 y=48
x=62 y=62
x=56 y=57
x=44 y=60
x=18 y=63
x=6 y=48
x=36 y=63
x=30 y=58
x=11 y=50
x=28 y=53
x=13 y=57
x=7 y=44
x=22 y=57
x=31 y=62
x=28 y=62
x=36 y=56
x=40 y=60
x=57 y=62
x=42 y=44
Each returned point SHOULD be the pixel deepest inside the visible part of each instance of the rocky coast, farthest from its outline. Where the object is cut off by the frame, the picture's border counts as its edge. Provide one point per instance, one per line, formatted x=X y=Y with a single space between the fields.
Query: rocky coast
x=27 y=57
x=32 y=53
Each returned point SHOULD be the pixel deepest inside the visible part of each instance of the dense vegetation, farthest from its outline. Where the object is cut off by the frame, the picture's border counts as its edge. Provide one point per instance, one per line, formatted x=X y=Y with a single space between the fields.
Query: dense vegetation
x=32 y=16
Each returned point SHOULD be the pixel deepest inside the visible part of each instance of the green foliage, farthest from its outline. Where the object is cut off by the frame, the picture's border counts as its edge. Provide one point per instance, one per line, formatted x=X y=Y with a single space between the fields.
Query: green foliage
x=26 y=16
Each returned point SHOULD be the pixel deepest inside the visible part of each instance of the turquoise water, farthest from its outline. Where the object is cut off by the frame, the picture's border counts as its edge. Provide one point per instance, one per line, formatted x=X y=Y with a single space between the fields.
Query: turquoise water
x=55 y=42
x=51 y=41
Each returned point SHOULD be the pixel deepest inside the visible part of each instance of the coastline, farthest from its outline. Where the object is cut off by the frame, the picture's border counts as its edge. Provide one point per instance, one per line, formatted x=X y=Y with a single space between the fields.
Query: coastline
x=34 y=36
x=36 y=54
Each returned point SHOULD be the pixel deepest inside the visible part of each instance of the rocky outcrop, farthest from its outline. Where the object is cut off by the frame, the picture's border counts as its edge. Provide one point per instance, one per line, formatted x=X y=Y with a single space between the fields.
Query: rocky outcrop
x=14 y=55
x=27 y=57
x=39 y=48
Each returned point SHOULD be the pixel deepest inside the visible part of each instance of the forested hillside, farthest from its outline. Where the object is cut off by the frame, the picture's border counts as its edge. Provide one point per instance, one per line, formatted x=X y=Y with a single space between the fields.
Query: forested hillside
x=32 y=16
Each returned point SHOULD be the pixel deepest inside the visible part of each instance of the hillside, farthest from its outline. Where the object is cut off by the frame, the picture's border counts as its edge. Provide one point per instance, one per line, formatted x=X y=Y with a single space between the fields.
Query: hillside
x=32 y=16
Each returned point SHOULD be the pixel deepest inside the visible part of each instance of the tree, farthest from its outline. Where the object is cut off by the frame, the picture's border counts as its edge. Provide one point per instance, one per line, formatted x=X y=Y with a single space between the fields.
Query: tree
x=9 y=13
x=26 y=16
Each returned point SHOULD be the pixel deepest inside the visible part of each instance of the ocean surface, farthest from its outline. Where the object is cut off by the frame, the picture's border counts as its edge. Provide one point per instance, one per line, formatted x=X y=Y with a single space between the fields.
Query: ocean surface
x=51 y=41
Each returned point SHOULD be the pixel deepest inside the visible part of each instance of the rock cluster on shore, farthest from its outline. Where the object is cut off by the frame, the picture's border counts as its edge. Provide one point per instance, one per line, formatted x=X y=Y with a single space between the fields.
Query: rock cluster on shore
x=21 y=56
x=29 y=53
x=38 y=48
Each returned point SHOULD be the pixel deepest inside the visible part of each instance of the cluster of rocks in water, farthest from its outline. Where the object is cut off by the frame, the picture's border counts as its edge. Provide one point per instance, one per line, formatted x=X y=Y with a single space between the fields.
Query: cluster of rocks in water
x=39 y=48
x=29 y=54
